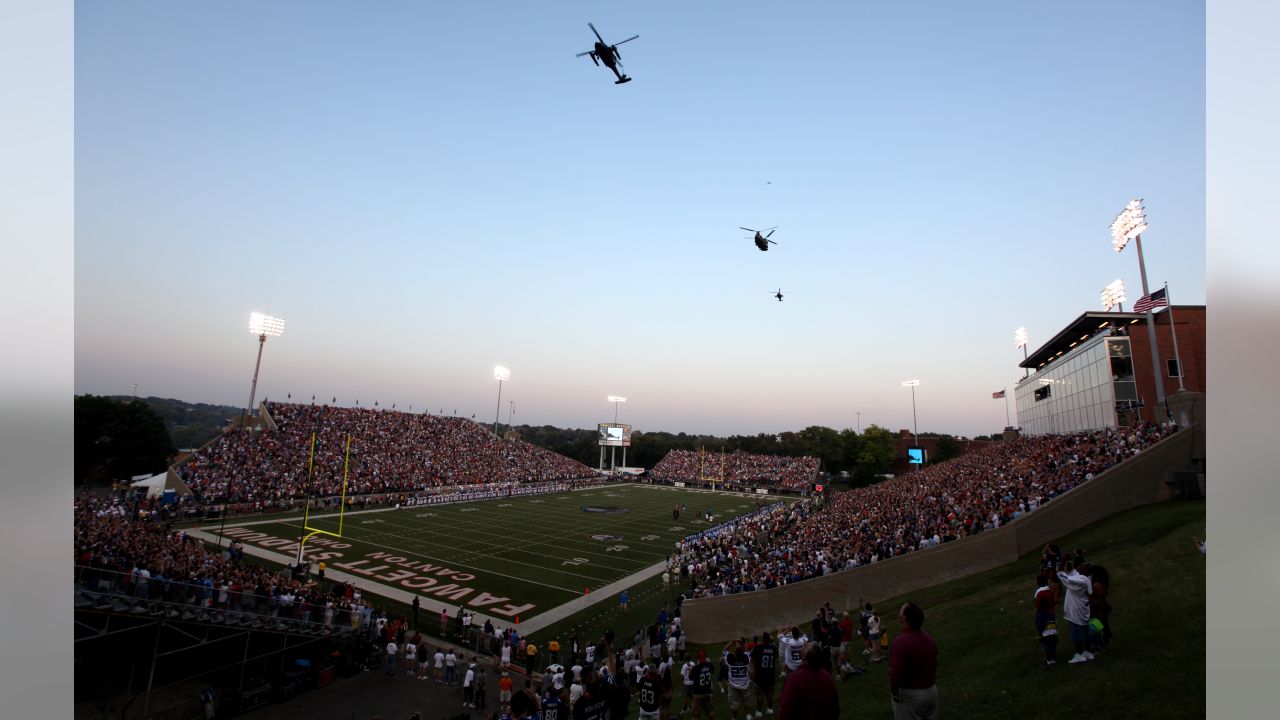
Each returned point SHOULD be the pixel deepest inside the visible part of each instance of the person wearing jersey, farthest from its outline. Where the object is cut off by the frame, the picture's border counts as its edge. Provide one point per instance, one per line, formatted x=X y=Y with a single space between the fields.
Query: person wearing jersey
x=594 y=701
x=1046 y=603
x=792 y=648
x=649 y=693
x=764 y=669
x=703 y=679
x=504 y=691
x=739 y=670
x=553 y=706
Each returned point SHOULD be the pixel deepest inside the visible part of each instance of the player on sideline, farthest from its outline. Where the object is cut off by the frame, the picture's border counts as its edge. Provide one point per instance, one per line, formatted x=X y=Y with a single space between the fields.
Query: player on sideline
x=764 y=669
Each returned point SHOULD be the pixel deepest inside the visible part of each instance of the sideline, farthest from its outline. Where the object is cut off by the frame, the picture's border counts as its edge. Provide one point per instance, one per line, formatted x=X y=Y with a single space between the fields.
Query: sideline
x=608 y=592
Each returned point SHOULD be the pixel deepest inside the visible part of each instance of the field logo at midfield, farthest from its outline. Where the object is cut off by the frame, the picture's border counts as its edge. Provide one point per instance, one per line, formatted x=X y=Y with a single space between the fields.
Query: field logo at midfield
x=606 y=509
x=602 y=537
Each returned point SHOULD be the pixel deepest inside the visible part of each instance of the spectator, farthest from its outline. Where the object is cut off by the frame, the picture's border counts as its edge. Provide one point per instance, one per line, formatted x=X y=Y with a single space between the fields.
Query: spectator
x=1076 y=609
x=913 y=668
x=1046 y=603
x=809 y=691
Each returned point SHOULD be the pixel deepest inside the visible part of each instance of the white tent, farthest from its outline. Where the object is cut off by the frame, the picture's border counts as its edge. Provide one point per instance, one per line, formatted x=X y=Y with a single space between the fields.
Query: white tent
x=155 y=484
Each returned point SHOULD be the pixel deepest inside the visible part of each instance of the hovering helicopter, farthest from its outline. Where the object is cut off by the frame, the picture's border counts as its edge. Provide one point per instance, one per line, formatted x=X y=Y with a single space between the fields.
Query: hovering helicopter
x=608 y=54
x=778 y=294
x=762 y=241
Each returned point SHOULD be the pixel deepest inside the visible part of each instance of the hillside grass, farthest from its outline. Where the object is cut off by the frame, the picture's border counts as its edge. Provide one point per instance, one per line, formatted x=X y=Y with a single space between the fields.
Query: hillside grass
x=990 y=662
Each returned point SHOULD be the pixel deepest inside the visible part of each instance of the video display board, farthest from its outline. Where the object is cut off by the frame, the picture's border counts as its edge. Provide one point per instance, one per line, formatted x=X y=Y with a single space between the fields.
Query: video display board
x=614 y=434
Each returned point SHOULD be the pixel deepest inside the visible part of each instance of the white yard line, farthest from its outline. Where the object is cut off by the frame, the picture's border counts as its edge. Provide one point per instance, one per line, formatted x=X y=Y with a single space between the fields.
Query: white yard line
x=608 y=592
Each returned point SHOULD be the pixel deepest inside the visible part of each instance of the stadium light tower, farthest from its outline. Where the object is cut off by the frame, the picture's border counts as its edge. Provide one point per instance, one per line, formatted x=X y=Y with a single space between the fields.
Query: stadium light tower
x=262 y=326
x=615 y=399
x=500 y=374
x=1020 y=341
x=1129 y=225
x=915 y=429
x=1113 y=295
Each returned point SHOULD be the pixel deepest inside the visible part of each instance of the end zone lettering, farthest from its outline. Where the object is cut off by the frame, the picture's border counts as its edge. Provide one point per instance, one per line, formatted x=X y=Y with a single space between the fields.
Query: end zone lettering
x=430 y=586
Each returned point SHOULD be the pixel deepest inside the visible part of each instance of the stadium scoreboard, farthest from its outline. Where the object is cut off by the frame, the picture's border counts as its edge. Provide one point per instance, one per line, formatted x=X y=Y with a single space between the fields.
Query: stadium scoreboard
x=614 y=435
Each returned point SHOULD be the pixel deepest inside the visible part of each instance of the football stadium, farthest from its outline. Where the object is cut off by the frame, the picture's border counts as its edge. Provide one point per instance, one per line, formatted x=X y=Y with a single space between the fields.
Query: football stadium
x=426 y=190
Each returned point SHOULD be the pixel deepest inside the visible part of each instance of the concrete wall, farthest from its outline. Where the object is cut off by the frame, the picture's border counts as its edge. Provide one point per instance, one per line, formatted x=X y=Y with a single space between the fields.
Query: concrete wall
x=1139 y=481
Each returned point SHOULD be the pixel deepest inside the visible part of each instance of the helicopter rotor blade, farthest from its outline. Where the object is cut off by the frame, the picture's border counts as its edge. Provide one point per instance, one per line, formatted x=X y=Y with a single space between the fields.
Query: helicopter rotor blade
x=770 y=234
x=775 y=242
x=745 y=228
x=589 y=52
x=633 y=37
x=597 y=32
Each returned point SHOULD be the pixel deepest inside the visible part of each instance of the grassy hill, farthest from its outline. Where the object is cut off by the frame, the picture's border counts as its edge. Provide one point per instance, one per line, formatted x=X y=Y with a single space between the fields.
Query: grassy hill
x=989 y=663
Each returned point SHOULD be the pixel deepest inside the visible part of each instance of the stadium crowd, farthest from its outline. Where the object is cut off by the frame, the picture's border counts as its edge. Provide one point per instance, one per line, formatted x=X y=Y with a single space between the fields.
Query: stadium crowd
x=390 y=452
x=737 y=469
x=979 y=491
x=138 y=556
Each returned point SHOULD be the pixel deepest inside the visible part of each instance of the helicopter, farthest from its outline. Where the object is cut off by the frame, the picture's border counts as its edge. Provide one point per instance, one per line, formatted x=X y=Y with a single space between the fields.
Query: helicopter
x=762 y=241
x=608 y=54
x=778 y=294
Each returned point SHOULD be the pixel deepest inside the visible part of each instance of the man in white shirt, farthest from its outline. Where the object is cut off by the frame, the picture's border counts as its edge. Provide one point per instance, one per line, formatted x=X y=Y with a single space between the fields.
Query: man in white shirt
x=391 y=658
x=1076 y=608
x=468 y=687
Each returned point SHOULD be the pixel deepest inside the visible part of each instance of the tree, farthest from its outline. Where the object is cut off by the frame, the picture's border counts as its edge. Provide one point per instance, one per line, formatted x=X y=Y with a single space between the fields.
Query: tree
x=945 y=449
x=876 y=454
x=119 y=439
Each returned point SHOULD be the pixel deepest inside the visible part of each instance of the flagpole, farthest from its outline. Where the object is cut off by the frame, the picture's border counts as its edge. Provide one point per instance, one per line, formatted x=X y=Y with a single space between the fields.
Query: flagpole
x=1006 y=408
x=1174 y=332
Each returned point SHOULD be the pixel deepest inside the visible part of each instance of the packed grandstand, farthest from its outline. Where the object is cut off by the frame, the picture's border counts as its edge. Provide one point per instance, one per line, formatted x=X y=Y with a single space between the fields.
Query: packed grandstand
x=979 y=491
x=738 y=469
x=390 y=452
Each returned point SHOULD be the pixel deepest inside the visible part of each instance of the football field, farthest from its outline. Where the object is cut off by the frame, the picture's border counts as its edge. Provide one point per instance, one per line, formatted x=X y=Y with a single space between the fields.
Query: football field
x=509 y=557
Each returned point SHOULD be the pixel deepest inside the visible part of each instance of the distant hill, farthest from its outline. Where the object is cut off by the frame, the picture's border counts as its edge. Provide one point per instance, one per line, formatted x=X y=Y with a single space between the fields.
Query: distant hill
x=190 y=424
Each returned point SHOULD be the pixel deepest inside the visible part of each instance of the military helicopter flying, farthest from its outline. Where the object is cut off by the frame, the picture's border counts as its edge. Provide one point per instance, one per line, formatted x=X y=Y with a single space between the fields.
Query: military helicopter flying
x=778 y=294
x=608 y=54
x=762 y=241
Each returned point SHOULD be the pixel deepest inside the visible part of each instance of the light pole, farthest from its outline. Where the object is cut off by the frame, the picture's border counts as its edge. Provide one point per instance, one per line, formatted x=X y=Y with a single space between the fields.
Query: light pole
x=1020 y=341
x=262 y=326
x=915 y=429
x=1129 y=225
x=499 y=373
x=613 y=451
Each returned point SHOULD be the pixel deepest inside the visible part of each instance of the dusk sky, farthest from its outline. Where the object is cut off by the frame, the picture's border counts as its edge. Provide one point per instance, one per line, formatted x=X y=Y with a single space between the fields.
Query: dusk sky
x=424 y=190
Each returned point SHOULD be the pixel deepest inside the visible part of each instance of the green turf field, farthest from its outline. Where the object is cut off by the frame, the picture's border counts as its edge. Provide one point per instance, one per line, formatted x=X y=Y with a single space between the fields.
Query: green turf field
x=506 y=557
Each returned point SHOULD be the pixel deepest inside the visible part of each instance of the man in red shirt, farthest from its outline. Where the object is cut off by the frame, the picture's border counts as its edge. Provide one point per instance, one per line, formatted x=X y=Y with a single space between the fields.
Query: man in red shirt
x=809 y=691
x=913 y=668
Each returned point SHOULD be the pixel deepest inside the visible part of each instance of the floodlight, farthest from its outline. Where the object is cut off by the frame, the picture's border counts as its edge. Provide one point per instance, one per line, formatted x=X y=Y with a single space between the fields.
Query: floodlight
x=1113 y=294
x=502 y=374
x=910 y=383
x=1130 y=223
x=1020 y=338
x=260 y=324
x=616 y=399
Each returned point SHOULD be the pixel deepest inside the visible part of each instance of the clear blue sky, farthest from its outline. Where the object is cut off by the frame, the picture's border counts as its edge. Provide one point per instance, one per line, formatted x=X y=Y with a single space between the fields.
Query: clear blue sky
x=423 y=190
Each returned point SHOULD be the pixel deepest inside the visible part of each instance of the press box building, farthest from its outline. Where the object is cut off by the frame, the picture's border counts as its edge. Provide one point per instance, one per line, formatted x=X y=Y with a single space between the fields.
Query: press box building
x=1097 y=372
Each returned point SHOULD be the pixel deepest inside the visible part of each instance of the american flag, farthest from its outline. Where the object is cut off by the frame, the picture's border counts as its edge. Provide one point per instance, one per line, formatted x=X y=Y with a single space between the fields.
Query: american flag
x=997 y=395
x=1148 y=302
